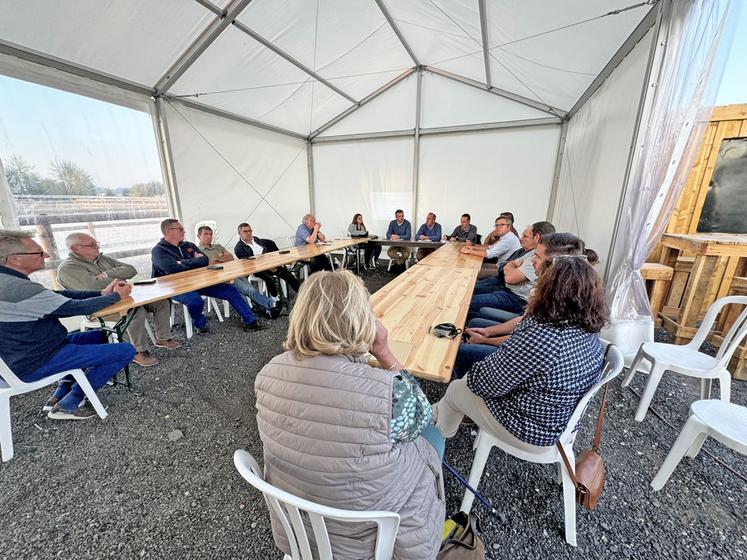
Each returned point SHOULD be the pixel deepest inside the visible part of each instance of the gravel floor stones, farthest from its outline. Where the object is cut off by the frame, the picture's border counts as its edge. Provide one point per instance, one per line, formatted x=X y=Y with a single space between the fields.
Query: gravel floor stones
x=156 y=479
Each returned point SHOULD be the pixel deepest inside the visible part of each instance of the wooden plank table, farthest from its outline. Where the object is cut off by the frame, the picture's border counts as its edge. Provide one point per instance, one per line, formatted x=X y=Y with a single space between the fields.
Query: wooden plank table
x=172 y=285
x=422 y=297
x=716 y=260
x=406 y=243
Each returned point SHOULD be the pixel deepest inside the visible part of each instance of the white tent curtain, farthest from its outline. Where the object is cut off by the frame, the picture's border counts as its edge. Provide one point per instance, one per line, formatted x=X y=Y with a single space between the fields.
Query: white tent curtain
x=695 y=37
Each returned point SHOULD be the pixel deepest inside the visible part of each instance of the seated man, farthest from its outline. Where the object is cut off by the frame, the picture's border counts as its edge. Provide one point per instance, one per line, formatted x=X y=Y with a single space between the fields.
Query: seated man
x=85 y=268
x=520 y=278
x=250 y=246
x=429 y=231
x=217 y=253
x=173 y=254
x=34 y=344
x=464 y=231
x=308 y=233
x=399 y=228
x=499 y=245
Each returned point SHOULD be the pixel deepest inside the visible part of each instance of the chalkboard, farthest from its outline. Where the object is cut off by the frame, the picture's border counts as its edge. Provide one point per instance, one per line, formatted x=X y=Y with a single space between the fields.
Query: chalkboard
x=725 y=206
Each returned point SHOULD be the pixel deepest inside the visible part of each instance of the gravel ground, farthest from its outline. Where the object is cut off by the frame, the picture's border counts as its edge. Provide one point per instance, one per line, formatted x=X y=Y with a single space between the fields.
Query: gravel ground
x=156 y=479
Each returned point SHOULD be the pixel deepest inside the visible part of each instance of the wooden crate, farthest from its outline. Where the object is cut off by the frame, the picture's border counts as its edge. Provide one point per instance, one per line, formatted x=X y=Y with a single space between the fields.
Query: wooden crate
x=658 y=277
x=738 y=364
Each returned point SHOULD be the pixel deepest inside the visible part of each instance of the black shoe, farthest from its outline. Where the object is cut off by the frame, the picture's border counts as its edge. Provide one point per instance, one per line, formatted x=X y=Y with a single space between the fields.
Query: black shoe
x=202 y=330
x=255 y=326
x=277 y=310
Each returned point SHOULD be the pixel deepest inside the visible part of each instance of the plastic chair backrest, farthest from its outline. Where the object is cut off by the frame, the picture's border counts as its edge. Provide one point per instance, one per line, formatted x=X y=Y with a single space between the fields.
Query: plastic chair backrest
x=10 y=378
x=291 y=511
x=613 y=365
x=710 y=318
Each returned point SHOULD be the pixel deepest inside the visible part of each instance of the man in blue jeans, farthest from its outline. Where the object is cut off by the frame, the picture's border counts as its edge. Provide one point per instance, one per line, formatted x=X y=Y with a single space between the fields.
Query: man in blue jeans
x=173 y=254
x=33 y=342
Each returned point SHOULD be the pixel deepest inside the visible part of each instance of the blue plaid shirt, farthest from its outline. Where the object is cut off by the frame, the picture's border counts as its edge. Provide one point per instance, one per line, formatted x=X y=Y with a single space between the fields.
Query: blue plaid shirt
x=534 y=381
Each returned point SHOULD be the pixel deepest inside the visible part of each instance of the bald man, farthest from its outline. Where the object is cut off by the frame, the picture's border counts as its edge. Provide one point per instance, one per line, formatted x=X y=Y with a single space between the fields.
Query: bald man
x=86 y=268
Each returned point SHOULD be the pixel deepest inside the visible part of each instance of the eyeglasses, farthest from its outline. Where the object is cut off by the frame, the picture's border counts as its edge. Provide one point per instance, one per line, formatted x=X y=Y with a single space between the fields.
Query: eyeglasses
x=501 y=225
x=37 y=253
x=557 y=258
x=89 y=245
x=445 y=330
x=177 y=228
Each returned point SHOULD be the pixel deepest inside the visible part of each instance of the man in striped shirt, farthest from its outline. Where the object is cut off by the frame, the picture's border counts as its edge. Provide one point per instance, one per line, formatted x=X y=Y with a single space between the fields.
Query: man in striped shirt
x=33 y=342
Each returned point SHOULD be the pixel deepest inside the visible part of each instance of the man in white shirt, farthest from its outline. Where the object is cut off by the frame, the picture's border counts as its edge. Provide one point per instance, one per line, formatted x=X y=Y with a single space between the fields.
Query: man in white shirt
x=251 y=246
x=498 y=245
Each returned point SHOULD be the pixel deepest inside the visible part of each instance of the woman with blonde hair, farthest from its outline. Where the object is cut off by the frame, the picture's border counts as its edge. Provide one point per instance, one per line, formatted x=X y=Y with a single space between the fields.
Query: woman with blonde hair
x=342 y=433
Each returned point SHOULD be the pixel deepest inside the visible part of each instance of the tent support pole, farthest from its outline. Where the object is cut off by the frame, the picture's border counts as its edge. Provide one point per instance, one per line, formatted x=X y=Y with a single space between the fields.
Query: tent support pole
x=397 y=32
x=416 y=146
x=485 y=44
x=556 y=173
x=167 y=159
x=310 y=163
x=638 y=33
x=648 y=92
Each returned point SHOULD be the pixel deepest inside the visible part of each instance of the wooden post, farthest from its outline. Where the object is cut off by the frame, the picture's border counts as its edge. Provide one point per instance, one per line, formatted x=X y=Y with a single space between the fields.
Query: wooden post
x=45 y=236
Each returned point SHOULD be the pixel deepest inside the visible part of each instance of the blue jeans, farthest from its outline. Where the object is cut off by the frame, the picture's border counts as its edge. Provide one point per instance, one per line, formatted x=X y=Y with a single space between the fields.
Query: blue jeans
x=246 y=288
x=497 y=315
x=434 y=437
x=195 y=305
x=89 y=351
x=470 y=354
x=481 y=323
x=488 y=285
x=500 y=299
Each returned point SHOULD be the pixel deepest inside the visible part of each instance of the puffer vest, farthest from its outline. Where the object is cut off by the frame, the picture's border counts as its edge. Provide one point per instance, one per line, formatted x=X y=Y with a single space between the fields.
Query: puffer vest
x=324 y=424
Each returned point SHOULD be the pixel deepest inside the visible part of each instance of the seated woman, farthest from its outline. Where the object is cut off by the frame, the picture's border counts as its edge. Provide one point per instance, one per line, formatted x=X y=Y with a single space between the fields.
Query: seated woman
x=494 y=326
x=344 y=434
x=526 y=391
x=358 y=228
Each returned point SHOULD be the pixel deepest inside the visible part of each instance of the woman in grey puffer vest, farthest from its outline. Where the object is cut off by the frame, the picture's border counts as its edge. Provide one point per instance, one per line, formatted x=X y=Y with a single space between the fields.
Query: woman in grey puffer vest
x=344 y=434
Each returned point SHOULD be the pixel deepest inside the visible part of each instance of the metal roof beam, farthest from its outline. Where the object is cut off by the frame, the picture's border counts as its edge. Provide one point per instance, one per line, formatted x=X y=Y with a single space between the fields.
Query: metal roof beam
x=638 y=33
x=502 y=93
x=484 y=36
x=298 y=64
x=200 y=45
x=397 y=32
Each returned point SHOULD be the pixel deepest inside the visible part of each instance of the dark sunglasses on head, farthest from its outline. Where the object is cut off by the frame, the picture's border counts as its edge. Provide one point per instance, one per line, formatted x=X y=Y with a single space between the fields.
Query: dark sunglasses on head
x=445 y=330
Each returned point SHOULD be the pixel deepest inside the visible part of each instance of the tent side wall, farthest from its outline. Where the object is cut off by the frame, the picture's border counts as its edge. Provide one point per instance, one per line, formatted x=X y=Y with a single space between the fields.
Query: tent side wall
x=596 y=153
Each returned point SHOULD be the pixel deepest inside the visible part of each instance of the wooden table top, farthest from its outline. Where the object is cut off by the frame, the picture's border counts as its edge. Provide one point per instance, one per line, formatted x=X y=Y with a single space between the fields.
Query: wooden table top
x=406 y=242
x=419 y=299
x=450 y=255
x=711 y=244
x=172 y=285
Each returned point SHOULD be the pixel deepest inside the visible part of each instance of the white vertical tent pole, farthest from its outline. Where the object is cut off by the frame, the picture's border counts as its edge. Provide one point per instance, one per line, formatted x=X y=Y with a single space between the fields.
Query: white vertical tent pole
x=416 y=146
x=484 y=35
x=648 y=91
x=556 y=173
x=8 y=216
x=167 y=158
x=310 y=163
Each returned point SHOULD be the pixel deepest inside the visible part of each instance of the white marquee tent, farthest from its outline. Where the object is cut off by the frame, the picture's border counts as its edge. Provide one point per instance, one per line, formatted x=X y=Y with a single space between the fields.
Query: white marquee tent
x=581 y=112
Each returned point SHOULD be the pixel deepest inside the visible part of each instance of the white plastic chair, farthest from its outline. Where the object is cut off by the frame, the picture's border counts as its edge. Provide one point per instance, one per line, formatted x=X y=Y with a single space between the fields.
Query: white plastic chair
x=407 y=262
x=11 y=385
x=725 y=422
x=688 y=360
x=548 y=455
x=211 y=304
x=286 y=506
x=212 y=224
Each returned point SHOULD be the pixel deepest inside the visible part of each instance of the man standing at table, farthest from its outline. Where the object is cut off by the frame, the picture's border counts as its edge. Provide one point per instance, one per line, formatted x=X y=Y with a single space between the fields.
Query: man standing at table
x=465 y=231
x=429 y=231
x=252 y=246
x=308 y=234
x=34 y=344
x=85 y=268
x=399 y=228
x=219 y=254
x=172 y=254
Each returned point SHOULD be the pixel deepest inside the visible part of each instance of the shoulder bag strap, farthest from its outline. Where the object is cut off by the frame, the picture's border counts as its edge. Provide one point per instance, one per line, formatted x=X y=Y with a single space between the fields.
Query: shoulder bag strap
x=567 y=464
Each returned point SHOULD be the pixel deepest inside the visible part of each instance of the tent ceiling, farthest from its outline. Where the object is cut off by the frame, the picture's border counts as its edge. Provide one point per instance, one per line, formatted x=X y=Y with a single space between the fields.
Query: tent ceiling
x=297 y=64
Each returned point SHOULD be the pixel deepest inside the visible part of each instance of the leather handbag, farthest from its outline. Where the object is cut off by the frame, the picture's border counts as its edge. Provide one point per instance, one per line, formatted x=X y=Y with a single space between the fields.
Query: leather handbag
x=589 y=476
x=464 y=540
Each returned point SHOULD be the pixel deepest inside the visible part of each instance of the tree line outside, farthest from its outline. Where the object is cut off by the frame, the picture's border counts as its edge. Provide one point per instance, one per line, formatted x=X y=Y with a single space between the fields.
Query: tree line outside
x=66 y=178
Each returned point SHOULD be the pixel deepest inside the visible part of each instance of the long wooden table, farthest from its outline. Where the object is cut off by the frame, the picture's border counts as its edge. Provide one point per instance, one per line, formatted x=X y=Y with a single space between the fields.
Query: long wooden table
x=172 y=285
x=407 y=243
x=436 y=290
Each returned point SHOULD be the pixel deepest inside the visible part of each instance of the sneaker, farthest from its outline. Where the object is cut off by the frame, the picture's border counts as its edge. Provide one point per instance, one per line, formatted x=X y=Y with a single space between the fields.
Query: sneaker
x=145 y=359
x=202 y=330
x=50 y=404
x=83 y=412
x=274 y=312
x=169 y=344
x=255 y=326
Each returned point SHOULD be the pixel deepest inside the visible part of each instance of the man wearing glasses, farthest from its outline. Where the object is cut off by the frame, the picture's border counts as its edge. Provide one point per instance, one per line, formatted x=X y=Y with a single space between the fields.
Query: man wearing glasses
x=87 y=269
x=499 y=244
x=33 y=342
x=172 y=254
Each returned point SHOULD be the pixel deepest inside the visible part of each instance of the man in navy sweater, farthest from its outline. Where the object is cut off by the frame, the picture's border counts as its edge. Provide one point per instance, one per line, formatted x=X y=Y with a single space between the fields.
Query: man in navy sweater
x=250 y=246
x=173 y=254
x=33 y=342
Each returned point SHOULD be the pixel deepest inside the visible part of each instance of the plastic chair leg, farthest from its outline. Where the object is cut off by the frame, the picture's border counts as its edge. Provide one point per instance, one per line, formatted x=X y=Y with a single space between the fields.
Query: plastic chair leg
x=149 y=330
x=226 y=309
x=475 y=474
x=705 y=389
x=187 y=322
x=633 y=368
x=724 y=385
x=90 y=394
x=6 y=435
x=648 y=394
x=690 y=433
x=569 y=503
